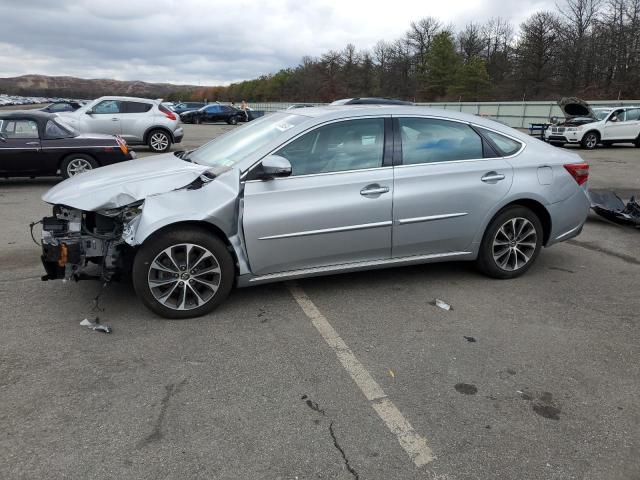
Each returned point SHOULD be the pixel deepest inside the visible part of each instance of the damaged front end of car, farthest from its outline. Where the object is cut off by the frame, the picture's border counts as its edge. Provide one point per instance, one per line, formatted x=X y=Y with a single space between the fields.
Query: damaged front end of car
x=78 y=245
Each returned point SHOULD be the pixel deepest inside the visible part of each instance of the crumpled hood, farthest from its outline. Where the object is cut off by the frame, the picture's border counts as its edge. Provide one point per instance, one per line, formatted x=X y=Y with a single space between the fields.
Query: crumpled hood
x=575 y=107
x=123 y=183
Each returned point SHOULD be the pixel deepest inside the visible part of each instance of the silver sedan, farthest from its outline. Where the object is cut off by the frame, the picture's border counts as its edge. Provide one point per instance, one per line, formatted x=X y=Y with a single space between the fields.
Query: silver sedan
x=316 y=191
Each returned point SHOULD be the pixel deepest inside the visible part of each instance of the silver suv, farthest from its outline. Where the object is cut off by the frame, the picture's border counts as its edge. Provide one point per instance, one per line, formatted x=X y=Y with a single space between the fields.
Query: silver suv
x=139 y=121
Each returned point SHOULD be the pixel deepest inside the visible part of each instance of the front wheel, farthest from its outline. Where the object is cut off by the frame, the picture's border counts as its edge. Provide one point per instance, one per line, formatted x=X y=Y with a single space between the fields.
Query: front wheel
x=159 y=141
x=233 y=120
x=511 y=243
x=590 y=140
x=183 y=273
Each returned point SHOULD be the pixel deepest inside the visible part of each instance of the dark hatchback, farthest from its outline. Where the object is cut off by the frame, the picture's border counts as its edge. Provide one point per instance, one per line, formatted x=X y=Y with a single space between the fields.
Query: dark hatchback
x=35 y=143
x=214 y=113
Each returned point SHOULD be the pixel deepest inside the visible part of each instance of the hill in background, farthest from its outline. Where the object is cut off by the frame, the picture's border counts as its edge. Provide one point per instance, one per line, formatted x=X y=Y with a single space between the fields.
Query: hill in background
x=71 y=87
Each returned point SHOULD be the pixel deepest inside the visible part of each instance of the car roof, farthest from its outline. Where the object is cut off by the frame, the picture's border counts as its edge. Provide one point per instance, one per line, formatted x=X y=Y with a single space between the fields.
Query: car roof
x=129 y=99
x=337 y=112
x=36 y=114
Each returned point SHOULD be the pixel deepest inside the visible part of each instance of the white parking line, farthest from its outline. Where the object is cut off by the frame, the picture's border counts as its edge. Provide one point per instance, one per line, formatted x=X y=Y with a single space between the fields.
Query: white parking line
x=412 y=443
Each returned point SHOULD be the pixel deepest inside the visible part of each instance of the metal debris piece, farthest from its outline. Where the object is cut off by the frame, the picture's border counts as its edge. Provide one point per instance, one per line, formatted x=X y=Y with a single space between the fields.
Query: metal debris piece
x=610 y=206
x=96 y=326
x=442 y=304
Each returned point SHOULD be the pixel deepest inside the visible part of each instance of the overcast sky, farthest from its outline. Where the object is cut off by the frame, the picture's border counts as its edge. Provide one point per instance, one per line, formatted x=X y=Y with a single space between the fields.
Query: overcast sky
x=210 y=42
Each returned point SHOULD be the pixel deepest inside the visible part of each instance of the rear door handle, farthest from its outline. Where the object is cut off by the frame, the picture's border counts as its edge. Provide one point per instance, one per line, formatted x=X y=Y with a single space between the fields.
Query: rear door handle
x=492 y=177
x=374 y=189
x=32 y=143
x=114 y=119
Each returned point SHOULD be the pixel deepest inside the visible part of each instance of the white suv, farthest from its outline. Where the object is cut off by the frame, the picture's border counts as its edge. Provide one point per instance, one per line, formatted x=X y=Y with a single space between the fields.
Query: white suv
x=590 y=127
x=139 y=121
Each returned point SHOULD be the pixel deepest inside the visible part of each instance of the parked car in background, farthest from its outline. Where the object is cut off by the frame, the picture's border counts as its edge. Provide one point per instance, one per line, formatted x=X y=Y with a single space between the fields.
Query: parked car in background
x=64 y=106
x=319 y=191
x=139 y=121
x=214 y=113
x=34 y=143
x=300 y=105
x=589 y=127
x=187 y=106
x=370 y=101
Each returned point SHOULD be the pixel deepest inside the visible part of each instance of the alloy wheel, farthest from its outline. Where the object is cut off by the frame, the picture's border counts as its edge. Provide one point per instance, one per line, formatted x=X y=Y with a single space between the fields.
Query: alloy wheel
x=77 y=166
x=184 y=276
x=159 y=141
x=591 y=141
x=514 y=244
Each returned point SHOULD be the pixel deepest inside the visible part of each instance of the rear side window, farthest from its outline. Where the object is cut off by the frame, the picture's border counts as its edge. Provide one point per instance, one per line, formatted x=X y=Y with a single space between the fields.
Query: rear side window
x=53 y=130
x=428 y=140
x=136 y=107
x=506 y=146
x=633 y=114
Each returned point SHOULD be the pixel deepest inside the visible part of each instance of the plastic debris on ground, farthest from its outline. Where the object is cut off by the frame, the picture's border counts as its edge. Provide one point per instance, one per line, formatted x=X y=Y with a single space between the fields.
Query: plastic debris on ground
x=96 y=326
x=442 y=304
x=610 y=206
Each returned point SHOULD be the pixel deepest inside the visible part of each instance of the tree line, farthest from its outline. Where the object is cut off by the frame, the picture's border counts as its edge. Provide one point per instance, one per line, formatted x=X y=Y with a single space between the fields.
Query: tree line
x=586 y=48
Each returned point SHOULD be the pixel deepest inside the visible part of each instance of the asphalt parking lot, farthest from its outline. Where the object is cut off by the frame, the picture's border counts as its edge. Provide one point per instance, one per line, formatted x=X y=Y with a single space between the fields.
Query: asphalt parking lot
x=534 y=378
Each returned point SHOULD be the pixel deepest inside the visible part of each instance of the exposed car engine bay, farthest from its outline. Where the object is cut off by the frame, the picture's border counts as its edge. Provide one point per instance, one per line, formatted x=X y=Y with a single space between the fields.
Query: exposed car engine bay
x=87 y=245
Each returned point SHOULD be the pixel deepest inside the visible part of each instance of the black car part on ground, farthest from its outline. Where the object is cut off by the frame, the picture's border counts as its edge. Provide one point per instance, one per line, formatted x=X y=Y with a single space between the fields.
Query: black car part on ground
x=610 y=206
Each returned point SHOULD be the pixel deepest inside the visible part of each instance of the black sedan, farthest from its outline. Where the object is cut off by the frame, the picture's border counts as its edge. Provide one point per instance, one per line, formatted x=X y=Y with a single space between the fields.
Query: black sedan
x=34 y=143
x=62 y=106
x=214 y=113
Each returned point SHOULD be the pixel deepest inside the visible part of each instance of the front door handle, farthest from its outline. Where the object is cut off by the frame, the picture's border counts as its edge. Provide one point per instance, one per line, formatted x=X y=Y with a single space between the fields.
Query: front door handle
x=32 y=143
x=114 y=119
x=374 y=189
x=492 y=177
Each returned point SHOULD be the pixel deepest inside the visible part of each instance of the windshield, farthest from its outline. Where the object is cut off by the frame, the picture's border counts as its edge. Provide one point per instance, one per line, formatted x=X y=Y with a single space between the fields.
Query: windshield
x=232 y=147
x=601 y=114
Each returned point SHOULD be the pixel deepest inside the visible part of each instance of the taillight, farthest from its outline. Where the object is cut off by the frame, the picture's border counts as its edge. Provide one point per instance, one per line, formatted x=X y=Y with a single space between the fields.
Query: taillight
x=167 y=113
x=579 y=172
x=123 y=145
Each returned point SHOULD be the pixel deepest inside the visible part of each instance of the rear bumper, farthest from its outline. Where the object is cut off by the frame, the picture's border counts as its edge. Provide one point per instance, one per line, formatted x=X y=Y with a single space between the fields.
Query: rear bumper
x=178 y=134
x=568 y=217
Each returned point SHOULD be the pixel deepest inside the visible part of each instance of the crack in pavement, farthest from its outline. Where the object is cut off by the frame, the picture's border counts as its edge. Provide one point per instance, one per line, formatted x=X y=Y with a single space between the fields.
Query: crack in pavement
x=351 y=470
x=314 y=406
x=156 y=434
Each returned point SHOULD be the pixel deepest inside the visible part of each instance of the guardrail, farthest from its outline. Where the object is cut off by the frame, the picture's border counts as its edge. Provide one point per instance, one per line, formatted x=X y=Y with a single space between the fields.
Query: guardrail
x=514 y=114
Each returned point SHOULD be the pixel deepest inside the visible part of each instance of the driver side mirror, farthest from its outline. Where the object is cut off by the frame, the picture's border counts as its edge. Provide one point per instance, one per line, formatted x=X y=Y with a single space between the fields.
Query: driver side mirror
x=89 y=112
x=275 y=166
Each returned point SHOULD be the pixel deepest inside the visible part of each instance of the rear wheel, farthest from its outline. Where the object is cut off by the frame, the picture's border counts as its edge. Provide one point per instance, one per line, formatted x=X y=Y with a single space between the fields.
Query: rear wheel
x=76 y=164
x=590 y=140
x=159 y=141
x=511 y=243
x=637 y=142
x=183 y=273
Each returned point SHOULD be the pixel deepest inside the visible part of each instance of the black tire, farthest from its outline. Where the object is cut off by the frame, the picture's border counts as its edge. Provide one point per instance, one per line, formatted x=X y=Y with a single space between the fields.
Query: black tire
x=154 y=247
x=637 y=142
x=156 y=144
x=590 y=140
x=233 y=120
x=77 y=159
x=487 y=262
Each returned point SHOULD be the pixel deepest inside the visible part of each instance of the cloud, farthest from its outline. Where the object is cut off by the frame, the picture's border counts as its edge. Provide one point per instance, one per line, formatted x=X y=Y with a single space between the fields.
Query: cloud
x=209 y=42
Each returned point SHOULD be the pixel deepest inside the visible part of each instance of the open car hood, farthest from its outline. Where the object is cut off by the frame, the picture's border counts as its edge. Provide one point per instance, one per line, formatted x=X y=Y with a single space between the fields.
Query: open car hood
x=123 y=183
x=575 y=107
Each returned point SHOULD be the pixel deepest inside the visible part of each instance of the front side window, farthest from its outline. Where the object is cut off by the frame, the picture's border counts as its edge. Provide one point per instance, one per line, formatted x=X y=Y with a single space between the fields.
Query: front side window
x=107 y=107
x=20 y=129
x=506 y=145
x=212 y=109
x=337 y=147
x=617 y=116
x=429 y=140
